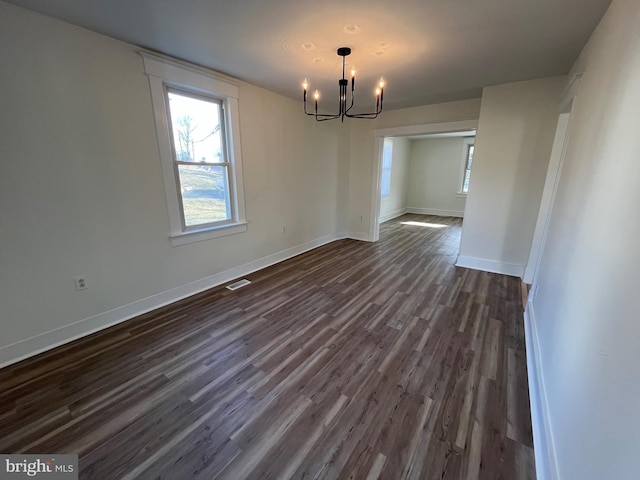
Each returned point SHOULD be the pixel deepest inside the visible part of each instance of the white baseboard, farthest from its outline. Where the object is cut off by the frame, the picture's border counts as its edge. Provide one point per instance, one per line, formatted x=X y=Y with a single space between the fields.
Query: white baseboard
x=492 y=266
x=362 y=236
x=390 y=216
x=436 y=211
x=544 y=448
x=46 y=341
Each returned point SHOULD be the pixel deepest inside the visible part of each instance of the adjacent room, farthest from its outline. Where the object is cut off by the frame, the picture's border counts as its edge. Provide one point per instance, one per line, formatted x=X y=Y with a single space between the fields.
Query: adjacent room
x=217 y=261
x=426 y=174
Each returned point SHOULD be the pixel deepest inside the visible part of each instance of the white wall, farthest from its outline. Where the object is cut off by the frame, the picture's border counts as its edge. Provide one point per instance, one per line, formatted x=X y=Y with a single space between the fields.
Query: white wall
x=434 y=176
x=81 y=185
x=361 y=157
x=81 y=189
x=586 y=313
x=395 y=203
x=513 y=144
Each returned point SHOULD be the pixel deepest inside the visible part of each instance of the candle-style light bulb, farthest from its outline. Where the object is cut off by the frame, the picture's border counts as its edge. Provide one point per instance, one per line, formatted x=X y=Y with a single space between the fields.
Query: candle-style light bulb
x=305 y=85
x=378 y=92
x=353 y=72
x=381 y=84
x=316 y=95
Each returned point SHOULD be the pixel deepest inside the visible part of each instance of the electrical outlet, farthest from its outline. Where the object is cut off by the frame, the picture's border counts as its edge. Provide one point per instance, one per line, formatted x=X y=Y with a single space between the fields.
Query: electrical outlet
x=81 y=282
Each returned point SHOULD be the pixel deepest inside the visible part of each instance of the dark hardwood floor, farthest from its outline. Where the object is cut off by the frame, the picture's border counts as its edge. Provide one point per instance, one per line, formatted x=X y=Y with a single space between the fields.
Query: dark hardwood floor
x=354 y=360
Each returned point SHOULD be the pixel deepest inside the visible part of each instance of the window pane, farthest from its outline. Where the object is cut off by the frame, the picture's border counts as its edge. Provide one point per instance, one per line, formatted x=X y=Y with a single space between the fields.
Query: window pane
x=467 y=176
x=386 y=183
x=205 y=194
x=387 y=153
x=387 y=156
x=196 y=127
x=467 y=170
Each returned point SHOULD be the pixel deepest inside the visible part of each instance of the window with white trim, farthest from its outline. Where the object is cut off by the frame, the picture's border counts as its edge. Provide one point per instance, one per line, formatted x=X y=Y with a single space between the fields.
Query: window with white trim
x=197 y=124
x=468 y=147
x=199 y=153
x=387 y=156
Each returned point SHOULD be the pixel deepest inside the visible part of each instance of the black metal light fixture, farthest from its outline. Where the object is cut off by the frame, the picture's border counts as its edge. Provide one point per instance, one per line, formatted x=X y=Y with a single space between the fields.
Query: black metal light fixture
x=343 y=109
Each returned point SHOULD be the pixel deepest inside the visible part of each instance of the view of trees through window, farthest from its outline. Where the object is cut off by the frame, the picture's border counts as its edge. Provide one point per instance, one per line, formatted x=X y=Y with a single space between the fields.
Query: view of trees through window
x=199 y=154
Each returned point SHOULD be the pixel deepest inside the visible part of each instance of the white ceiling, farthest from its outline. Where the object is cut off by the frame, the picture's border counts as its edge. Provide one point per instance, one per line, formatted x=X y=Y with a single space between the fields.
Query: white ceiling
x=427 y=50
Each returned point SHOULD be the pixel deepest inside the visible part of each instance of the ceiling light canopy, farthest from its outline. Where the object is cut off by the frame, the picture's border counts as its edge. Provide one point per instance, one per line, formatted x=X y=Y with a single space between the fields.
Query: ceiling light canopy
x=343 y=83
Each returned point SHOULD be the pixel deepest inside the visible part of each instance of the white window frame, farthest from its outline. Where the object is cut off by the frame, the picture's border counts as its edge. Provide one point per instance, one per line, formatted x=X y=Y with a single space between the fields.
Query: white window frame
x=466 y=143
x=166 y=74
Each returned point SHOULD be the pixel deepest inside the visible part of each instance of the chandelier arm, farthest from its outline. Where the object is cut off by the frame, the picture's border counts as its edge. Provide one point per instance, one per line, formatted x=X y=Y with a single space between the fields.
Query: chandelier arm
x=343 y=109
x=329 y=118
x=305 y=109
x=370 y=116
x=312 y=114
x=366 y=115
x=321 y=115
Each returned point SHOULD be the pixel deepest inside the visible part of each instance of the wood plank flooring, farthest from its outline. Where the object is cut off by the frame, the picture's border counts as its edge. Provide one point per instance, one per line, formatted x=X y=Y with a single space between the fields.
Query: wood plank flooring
x=354 y=360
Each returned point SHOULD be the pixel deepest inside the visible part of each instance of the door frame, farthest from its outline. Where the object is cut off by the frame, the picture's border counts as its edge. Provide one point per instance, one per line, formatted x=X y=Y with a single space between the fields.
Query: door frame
x=554 y=172
x=378 y=139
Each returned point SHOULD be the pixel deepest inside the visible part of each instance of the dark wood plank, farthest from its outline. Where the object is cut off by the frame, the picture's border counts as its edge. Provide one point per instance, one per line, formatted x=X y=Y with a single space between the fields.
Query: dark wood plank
x=354 y=360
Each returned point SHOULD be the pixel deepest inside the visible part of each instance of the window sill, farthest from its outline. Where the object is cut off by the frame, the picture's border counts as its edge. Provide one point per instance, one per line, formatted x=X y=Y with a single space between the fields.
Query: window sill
x=193 y=236
x=461 y=195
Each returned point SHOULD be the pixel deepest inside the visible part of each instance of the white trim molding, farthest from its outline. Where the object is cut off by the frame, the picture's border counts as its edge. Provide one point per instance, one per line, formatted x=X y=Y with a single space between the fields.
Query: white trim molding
x=570 y=92
x=544 y=447
x=361 y=236
x=436 y=211
x=54 y=338
x=511 y=269
x=376 y=170
x=192 y=236
x=464 y=155
x=552 y=180
x=166 y=73
x=427 y=128
x=392 y=215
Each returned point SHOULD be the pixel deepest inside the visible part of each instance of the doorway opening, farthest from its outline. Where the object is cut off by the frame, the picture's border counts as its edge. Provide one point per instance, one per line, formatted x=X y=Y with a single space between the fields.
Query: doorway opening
x=423 y=171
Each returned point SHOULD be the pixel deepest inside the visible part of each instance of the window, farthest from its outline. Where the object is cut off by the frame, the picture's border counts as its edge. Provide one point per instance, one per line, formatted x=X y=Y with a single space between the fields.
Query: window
x=387 y=154
x=467 y=169
x=467 y=159
x=196 y=125
x=199 y=152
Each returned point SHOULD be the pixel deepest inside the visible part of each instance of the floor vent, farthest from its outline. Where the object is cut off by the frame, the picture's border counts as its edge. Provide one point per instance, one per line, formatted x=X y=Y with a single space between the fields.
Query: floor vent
x=238 y=284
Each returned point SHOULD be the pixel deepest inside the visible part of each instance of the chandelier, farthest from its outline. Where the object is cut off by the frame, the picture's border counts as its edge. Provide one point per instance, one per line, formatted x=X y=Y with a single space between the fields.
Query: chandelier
x=343 y=108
